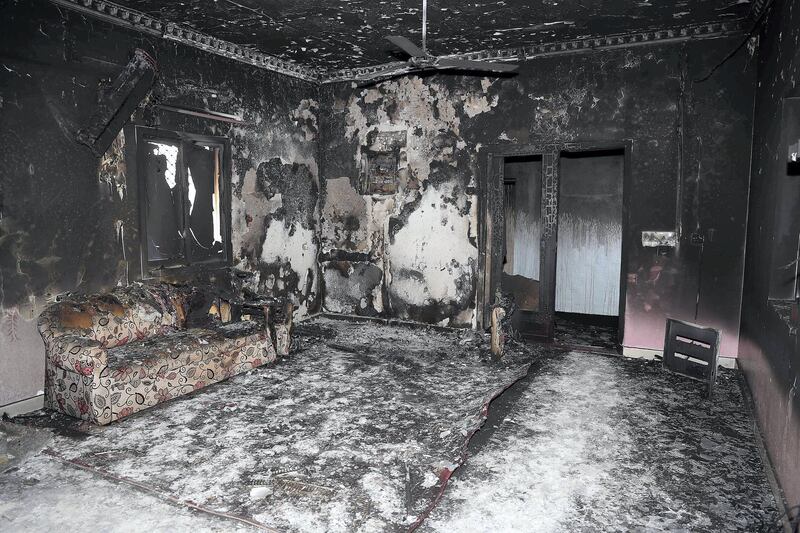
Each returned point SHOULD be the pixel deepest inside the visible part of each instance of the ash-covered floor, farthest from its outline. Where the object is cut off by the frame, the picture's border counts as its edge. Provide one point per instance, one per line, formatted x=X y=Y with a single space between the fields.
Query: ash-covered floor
x=359 y=429
x=590 y=442
x=356 y=431
x=587 y=333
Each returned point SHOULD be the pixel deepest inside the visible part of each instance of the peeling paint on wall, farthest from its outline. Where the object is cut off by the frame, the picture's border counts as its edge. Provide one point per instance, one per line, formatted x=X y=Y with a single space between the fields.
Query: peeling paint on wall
x=612 y=95
x=432 y=261
x=423 y=238
x=306 y=116
x=353 y=288
x=344 y=217
x=276 y=217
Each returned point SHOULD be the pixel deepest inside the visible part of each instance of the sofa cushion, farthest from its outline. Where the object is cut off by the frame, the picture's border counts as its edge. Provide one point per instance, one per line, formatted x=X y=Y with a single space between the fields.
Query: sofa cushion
x=179 y=348
x=174 y=349
x=126 y=314
x=234 y=330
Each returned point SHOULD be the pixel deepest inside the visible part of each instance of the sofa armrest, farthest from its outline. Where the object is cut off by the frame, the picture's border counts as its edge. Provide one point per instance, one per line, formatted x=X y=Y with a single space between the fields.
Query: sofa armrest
x=77 y=354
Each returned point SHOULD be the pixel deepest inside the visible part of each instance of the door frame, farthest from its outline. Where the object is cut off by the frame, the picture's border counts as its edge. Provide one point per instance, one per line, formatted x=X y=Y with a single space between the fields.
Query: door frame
x=491 y=215
x=626 y=145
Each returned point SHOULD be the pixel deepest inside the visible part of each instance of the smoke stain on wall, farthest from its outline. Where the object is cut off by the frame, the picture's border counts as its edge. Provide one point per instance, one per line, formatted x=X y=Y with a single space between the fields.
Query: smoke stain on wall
x=423 y=238
x=769 y=351
x=629 y=95
x=70 y=221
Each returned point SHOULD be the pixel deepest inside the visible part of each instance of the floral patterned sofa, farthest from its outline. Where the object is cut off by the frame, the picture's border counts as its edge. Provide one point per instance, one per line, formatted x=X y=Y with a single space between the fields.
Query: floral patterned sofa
x=111 y=355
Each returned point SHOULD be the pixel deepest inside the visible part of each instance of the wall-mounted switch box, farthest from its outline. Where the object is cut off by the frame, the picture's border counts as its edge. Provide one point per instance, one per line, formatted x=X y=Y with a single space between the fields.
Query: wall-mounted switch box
x=659 y=239
x=382 y=158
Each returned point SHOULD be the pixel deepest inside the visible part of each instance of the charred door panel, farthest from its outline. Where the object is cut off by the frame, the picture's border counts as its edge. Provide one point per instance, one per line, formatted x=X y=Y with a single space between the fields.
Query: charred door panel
x=522 y=202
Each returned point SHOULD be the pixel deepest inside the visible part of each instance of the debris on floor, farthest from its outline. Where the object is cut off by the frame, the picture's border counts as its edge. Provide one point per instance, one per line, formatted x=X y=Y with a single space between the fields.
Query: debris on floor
x=365 y=425
x=357 y=430
x=602 y=443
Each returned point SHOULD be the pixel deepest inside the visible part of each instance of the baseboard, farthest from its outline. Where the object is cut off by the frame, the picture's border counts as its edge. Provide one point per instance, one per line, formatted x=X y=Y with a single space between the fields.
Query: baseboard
x=390 y=321
x=769 y=470
x=656 y=355
x=642 y=353
x=22 y=406
x=309 y=316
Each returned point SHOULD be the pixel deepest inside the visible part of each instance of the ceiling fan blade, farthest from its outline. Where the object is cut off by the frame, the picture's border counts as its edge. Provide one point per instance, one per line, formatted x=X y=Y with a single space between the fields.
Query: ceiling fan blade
x=485 y=66
x=406 y=46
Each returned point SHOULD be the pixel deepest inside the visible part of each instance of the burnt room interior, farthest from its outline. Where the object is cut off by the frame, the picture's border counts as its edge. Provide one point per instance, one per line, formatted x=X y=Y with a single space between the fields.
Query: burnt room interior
x=403 y=265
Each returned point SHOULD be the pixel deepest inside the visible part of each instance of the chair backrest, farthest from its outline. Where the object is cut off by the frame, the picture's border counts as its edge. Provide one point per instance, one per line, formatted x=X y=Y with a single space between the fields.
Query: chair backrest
x=692 y=351
x=129 y=313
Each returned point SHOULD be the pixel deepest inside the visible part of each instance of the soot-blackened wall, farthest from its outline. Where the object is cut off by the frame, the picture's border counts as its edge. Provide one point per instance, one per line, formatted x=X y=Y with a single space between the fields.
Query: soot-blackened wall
x=412 y=254
x=70 y=222
x=769 y=353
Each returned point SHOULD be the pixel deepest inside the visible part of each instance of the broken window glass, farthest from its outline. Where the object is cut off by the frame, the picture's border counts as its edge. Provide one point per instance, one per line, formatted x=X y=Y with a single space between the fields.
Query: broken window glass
x=183 y=187
x=163 y=202
x=203 y=171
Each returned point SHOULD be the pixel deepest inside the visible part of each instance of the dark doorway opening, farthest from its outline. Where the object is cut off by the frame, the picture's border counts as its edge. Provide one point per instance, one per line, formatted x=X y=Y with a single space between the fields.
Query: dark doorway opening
x=596 y=332
x=589 y=249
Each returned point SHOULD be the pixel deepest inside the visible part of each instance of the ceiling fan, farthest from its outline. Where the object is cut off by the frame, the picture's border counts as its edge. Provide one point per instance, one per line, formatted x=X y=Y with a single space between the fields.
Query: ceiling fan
x=420 y=60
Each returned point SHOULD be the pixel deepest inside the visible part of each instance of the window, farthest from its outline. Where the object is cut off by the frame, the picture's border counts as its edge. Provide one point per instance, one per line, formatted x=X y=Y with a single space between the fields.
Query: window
x=184 y=198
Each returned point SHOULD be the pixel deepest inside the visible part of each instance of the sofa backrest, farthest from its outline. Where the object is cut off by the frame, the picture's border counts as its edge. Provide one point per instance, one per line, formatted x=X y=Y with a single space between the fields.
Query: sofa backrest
x=125 y=314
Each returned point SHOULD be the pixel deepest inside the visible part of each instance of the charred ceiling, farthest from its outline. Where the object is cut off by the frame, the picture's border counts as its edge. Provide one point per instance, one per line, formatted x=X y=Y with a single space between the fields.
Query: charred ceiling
x=325 y=35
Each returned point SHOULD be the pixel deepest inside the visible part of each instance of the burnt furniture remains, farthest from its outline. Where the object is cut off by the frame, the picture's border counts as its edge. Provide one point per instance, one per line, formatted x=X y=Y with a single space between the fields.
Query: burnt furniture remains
x=692 y=351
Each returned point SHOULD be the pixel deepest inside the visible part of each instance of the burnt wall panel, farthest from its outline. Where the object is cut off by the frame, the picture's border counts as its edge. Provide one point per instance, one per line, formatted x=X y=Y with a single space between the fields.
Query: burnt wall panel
x=717 y=133
x=70 y=221
x=424 y=237
x=786 y=245
x=769 y=351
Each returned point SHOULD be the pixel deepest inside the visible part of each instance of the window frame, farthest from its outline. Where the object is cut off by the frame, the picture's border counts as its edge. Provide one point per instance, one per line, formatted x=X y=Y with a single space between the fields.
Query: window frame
x=144 y=135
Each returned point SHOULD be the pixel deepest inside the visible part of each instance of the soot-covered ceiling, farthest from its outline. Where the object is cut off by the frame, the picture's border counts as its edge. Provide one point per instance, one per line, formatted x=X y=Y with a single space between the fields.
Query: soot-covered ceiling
x=333 y=34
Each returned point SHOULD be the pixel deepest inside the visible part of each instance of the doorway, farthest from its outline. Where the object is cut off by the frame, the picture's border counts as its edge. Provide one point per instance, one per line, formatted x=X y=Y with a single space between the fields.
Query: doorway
x=589 y=248
x=519 y=236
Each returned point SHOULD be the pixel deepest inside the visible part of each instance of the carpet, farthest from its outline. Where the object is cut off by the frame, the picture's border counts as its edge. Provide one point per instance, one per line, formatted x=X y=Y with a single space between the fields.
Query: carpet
x=358 y=430
x=602 y=443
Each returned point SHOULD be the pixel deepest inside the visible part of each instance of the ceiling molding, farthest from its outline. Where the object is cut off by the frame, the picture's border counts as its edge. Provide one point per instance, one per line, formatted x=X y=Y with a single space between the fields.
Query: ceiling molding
x=627 y=40
x=758 y=8
x=136 y=20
